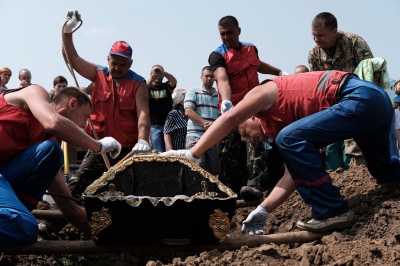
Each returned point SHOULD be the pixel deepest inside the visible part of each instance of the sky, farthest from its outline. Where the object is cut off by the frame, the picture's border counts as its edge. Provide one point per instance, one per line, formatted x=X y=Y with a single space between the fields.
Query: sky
x=181 y=34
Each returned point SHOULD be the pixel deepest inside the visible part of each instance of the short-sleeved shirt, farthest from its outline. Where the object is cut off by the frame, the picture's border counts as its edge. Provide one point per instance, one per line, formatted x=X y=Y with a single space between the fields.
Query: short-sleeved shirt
x=216 y=60
x=241 y=66
x=205 y=105
x=350 y=50
x=160 y=103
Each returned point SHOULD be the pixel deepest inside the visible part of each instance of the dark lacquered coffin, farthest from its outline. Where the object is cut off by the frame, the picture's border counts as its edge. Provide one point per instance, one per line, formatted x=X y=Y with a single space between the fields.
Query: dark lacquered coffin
x=153 y=199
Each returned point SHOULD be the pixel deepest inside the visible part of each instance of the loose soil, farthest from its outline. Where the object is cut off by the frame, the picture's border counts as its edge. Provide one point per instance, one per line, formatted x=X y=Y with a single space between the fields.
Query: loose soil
x=373 y=240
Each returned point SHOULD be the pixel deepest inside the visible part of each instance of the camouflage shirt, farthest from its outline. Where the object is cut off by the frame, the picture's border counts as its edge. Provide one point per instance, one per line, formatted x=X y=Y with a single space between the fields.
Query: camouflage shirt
x=350 y=50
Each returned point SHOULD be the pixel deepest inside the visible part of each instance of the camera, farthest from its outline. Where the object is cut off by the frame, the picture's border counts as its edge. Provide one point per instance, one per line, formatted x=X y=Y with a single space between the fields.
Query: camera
x=157 y=70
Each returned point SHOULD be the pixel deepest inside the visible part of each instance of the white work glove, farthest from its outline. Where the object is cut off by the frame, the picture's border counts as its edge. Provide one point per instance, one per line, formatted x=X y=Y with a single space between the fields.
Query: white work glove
x=283 y=73
x=226 y=105
x=141 y=145
x=111 y=146
x=73 y=18
x=255 y=221
x=184 y=153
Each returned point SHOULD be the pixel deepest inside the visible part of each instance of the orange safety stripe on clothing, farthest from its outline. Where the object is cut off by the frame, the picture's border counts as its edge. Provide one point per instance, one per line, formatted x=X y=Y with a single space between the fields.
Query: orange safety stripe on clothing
x=315 y=183
x=27 y=199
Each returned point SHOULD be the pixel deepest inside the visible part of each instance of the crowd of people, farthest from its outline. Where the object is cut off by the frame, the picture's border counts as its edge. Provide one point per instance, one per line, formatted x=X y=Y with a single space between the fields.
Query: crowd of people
x=269 y=138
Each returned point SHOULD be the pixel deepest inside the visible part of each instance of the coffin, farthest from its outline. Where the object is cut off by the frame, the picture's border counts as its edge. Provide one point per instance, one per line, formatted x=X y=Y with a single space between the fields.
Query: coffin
x=153 y=199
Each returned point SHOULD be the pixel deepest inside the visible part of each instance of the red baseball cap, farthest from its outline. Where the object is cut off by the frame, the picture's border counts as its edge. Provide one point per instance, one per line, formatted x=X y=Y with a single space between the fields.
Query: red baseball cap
x=121 y=48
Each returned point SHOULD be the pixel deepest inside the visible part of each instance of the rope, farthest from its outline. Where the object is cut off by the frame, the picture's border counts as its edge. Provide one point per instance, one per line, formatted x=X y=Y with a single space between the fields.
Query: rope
x=65 y=54
x=71 y=70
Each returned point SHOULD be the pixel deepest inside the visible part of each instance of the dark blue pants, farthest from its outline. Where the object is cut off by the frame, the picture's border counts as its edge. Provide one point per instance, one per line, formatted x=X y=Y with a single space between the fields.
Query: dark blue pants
x=365 y=114
x=23 y=181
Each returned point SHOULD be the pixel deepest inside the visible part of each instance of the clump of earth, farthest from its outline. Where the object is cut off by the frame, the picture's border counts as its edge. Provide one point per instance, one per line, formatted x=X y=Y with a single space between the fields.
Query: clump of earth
x=373 y=240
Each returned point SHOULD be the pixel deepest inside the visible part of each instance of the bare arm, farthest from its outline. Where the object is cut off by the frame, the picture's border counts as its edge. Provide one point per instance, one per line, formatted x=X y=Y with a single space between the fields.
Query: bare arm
x=168 y=142
x=37 y=99
x=171 y=79
x=154 y=75
x=142 y=107
x=224 y=87
x=281 y=192
x=195 y=117
x=257 y=100
x=69 y=208
x=265 y=68
x=84 y=68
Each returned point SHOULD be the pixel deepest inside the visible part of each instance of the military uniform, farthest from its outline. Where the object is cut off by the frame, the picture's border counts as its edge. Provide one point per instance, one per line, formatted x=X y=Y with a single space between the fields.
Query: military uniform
x=350 y=50
x=264 y=164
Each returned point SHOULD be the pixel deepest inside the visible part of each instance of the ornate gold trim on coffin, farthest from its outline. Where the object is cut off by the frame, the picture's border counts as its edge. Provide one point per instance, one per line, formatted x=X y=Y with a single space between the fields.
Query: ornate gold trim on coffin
x=218 y=221
x=110 y=174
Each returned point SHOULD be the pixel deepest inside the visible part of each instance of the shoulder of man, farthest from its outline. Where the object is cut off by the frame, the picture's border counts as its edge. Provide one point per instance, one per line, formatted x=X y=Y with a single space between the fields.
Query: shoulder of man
x=192 y=91
x=221 y=49
x=247 y=44
x=131 y=75
x=216 y=60
x=356 y=42
x=345 y=36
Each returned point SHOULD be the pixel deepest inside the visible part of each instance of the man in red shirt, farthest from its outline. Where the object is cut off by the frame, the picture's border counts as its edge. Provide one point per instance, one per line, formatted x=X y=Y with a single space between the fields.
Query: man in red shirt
x=236 y=65
x=30 y=161
x=120 y=104
x=303 y=113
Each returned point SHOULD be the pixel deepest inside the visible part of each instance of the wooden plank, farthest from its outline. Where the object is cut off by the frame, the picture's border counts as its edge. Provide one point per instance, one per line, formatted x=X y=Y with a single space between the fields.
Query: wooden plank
x=89 y=247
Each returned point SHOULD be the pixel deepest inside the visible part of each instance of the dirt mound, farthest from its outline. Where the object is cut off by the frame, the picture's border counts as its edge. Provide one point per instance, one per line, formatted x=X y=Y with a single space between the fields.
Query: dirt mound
x=373 y=240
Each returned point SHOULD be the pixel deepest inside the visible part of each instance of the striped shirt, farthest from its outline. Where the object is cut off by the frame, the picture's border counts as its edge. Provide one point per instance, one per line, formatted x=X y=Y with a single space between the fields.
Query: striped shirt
x=175 y=125
x=205 y=105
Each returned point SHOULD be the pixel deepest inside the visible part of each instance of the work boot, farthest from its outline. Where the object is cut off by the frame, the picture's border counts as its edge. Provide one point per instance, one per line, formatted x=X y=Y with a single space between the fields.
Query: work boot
x=251 y=193
x=342 y=221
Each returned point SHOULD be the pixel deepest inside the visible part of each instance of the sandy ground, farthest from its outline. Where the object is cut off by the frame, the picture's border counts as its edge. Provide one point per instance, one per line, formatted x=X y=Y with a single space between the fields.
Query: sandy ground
x=373 y=240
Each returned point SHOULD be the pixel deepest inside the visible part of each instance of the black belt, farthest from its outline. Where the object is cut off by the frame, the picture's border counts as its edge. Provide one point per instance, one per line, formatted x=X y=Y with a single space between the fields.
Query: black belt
x=342 y=82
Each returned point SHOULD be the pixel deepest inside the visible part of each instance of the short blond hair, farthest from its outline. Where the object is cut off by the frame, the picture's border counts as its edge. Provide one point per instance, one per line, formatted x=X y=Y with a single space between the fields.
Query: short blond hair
x=72 y=92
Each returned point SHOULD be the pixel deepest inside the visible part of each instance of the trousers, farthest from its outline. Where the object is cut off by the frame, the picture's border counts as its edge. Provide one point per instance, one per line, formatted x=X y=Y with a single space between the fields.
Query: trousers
x=157 y=137
x=364 y=113
x=23 y=181
x=209 y=160
x=336 y=155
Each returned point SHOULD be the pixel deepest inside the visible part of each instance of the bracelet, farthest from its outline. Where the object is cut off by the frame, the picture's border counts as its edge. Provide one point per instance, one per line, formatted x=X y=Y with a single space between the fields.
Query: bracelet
x=196 y=157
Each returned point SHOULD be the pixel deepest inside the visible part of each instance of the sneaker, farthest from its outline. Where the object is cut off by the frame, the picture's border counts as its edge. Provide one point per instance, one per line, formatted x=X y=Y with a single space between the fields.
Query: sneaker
x=251 y=193
x=345 y=220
